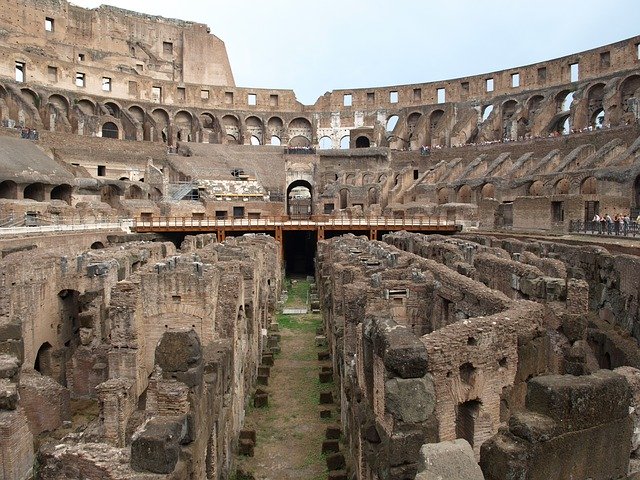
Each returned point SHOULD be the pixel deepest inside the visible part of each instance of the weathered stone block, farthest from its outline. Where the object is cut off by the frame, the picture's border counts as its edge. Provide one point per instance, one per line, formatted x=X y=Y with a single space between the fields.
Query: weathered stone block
x=410 y=400
x=8 y=395
x=333 y=432
x=335 y=461
x=330 y=446
x=178 y=351
x=451 y=460
x=326 y=398
x=156 y=447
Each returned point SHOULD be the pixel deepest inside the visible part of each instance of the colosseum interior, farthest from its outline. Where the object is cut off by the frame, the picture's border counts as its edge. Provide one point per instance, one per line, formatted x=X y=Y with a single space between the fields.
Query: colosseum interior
x=472 y=320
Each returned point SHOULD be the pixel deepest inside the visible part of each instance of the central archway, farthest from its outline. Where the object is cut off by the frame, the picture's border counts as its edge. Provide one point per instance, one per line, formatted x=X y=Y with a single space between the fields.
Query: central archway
x=299 y=199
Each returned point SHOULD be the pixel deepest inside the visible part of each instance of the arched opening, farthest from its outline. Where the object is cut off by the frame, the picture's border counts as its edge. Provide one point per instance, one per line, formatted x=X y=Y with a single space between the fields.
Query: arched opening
x=207 y=121
x=534 y=104
x=488 y=191
x=372 y=196
x=362 y=142
x=597 y=119
x=562 y=187
x=135 y=193
x=344 y=198
x=275 y=140
x=443 y=196
x=392 y=121
x=299 y=195
x=299 y=141
x=97 y=246
x=32 y=97
x=34 y=191
x=564 y=99
x=486 y=111
x=344 y=142
x=508 y=111
x=350 y=179
x=62 y=192
x=184 y=124
x=254 y=128
x=161 y=119
x=9 y=189
x=112 y=109
x=275 y=128
x=535 y=189
x=110 y=130
x=110 y=194
x=87 y=107
x=589 y=186
x=43 y=362
x=636 y=191
x=324 y=143
x=137 y=113
x=464 y=194
x=466 y=420
x=628 y=89
x=300 y=127
x=231 y=127
x=60 y=103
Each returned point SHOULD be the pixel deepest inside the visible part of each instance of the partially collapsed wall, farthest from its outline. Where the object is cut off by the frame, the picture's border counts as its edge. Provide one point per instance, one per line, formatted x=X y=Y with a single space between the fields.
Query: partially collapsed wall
x=437 y=339
x=166 y=354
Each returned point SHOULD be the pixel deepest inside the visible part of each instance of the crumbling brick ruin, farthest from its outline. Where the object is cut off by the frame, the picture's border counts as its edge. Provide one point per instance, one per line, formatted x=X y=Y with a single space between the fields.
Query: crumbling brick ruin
x=134 y=309
x=441 y=338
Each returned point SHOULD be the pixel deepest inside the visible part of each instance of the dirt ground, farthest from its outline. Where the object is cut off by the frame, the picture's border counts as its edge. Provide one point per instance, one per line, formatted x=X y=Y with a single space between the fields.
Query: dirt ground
x=290 y=430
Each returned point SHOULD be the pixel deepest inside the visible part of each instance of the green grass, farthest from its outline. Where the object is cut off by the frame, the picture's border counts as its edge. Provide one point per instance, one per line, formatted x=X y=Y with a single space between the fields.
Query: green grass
x=297 y=291
x=306 y=323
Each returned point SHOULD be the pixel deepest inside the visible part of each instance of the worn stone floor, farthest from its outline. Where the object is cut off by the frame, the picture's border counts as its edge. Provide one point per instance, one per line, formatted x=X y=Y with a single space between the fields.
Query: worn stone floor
x=290 y=430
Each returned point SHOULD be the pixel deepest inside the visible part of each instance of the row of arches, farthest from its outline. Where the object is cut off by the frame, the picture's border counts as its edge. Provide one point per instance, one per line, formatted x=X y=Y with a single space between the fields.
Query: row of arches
x=41 y=192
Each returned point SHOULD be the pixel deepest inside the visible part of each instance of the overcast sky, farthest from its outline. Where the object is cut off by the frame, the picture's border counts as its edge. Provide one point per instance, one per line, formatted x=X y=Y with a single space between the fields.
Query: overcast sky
x=316 y=46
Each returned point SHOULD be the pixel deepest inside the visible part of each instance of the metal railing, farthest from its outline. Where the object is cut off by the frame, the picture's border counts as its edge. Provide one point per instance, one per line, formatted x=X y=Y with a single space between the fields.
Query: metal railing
x=365 y=222
x=632 y=229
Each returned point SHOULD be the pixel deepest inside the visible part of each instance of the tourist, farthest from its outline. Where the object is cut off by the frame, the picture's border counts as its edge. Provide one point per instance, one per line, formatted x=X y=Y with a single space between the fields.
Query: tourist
x=609 y=223
x=596 y=223
x=616 y=223
x=625 y=224
x=603 y=223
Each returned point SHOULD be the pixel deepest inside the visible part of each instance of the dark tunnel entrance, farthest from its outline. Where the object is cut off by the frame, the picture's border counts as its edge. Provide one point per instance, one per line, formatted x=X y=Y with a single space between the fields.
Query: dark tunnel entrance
x=299 y=251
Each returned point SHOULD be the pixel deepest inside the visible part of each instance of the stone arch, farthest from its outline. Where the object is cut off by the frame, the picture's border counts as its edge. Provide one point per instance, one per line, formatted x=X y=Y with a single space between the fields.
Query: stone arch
x=137 y=113
x=299 y=141
x=9 y=189
x=382 y=178
x=255 y=129
x=300 y=127
x=86 y=106
x=412 y=121
x=509 y=109
x=207 y=120
x=589 y=186
x=134 y=192
x=110 y=194
x=564 y=99
x=536 y=188
x=443 y=195
x=97 y=246
x=372 y=196
x=60 y=102
x=350 y=179
x=183 y=122
x=561 y=125
x=35 y=191
x=62 y=192
x=628 y=89
x=275 y=128
x=275 y=140
x=231 y=127
x=299 y=198
x=344 y=142
x=595 y=102
x=32 y=97
x=367 y=178
x=43 y=361
x=392 y=121
x=161 y=119
x=110 y=130
x=597 y=118
x=464 y=194
x=112 y=109
x=534 y=103
x=362 y=142
x=488 y=191
x=562 y=187
x=325 y=143
x=486 y=111
x=155 y=194
x=344 y=198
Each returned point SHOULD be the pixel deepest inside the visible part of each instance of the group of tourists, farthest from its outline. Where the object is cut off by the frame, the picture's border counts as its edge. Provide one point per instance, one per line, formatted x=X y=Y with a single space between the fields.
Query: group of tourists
x=618 y=225
x=29 y=133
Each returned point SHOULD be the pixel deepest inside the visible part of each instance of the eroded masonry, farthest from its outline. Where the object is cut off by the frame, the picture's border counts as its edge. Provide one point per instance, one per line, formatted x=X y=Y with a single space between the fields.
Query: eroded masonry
x=150 y=209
